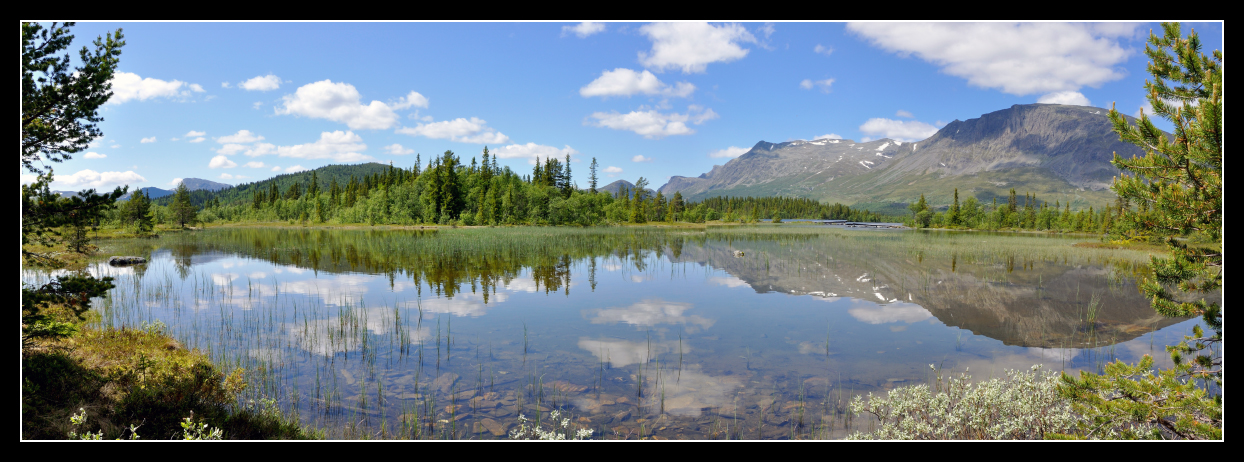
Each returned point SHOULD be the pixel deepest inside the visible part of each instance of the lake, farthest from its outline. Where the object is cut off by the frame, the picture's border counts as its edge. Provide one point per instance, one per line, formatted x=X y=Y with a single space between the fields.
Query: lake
x=750 y=332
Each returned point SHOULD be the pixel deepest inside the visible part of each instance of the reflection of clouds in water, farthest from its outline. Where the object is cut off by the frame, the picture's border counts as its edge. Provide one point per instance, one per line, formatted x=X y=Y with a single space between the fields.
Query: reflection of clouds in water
x=224 y=279
x=729 y=281
x=460 y=305
x=639 y=277
x=650 y=313
x=809 y=348
x=330 y=289
x=894 y=312
x=227 y=264
x=523 y=284
x=611 y=266
x=688 y=392
x=619 y=353
x=292 y=269
x=337 y=335
x=1054 y=353
x=257 y=275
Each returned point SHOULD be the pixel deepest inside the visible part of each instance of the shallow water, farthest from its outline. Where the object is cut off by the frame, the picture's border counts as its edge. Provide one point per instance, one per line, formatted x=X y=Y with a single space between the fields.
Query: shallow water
x=631 y=332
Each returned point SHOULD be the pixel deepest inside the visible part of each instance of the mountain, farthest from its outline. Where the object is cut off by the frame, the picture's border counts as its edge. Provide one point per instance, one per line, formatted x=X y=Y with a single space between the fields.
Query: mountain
x=612 y=188
x=1059 y=152
x=195 y=184
x=151 y=192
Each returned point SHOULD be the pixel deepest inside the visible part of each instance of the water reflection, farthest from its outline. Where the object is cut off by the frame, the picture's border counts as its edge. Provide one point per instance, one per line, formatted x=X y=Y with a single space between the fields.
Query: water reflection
x=477 y=326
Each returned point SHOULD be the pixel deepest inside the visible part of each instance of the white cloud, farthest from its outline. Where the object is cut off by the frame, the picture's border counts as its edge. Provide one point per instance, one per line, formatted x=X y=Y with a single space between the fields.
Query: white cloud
x=901 y=130
x=612 y=169
x=94 y=155
x=175 y=182
x=1065 y=97
x=198 y=140
x=256 y=105
x=412 y=99
x=338 y=145
x=728 y=153
x=226 y=176
x=1018 y=59
x=242 y=136
x=224 y=84
x=221 y=162
x=397 y=150
x=197 y=88
x=652 y=124
x=192 y=133
x=821 y=49
x=583 y=29
x=530 y=151
x=261 y=83
x=902 y=113
x=295 y=169
x=692 y=46
x=830 y=136
x=98 y=180
x=127 y=86
x=882 y=314
x=254 y=164
x=641 y=158
x=807 y=84
x=626 y=82
x=148 y=140
x=338 y=102
x=276 y=168
x=474 y=130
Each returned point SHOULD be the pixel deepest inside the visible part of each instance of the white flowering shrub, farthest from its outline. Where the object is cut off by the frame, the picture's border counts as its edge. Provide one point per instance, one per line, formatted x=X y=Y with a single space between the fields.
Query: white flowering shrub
x=1025 y=405
x=558 y=430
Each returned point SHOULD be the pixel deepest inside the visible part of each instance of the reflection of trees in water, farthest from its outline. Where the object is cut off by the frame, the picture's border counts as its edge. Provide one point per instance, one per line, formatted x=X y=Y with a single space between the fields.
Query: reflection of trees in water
x=449 y=262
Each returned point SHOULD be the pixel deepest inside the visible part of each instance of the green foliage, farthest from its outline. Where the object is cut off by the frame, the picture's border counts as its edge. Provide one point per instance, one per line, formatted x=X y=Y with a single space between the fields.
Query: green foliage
x=183 y=211
x=60 y=105
x=1131 y=402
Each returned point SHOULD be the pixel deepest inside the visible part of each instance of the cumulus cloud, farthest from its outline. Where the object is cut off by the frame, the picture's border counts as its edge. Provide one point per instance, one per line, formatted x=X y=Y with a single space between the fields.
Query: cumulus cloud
x=198 y=140
x=128 y=86
x=823 y=50
x=653 y=124
x=808 y=84
x=94 y=155
x=261 y=83
x=221 y=162
x=340 y=102
x=412 y=99
x=626 y=82
x=902 y=113
x=583 y=29
x=397 y=150
x=98 y=180
x=276 y=168
x=226 y=176
x=692 y=46
x=295 y=169
x=1019 y=59
x=242 y=136
x=641 y=158
x=175 y=182
x=901 y=130
x=473 y=130
x=530 y=151
x=1065 y=97
x=612 y=169
x=337 y=145
x=254 y=164
x=830 y=136
x=151 y=139
x=728 y=153
x=193 y=133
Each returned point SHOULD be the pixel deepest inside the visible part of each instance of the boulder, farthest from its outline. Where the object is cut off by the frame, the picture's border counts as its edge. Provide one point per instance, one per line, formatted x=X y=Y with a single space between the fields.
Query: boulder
x=126 y=260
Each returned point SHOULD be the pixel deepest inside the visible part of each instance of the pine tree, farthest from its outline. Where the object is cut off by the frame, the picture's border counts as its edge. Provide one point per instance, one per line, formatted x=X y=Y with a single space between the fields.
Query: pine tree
x=591 y=179
x=182 y=210
x=1177 y=186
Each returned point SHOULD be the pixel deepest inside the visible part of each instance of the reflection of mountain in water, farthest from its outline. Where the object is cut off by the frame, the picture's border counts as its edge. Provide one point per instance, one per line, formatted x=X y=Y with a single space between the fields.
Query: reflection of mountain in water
x=1034 y=304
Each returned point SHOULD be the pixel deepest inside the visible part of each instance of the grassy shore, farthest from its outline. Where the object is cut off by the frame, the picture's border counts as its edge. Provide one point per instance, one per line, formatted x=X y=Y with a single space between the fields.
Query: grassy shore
x=134 y=382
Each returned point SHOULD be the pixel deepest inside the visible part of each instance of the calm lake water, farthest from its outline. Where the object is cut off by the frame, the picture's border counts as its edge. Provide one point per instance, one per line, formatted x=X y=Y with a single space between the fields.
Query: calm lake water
x=738 y=332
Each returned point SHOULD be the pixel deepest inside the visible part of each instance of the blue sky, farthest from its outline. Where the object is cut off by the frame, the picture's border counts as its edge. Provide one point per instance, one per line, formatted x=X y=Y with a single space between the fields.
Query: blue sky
x=241 y=102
